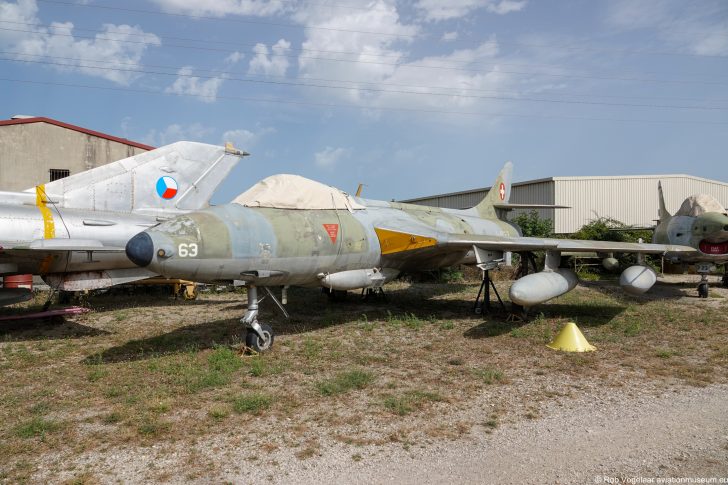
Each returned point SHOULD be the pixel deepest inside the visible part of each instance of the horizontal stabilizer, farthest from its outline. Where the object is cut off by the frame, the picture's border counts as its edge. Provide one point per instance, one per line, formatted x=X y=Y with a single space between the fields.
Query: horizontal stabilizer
x=510 y=207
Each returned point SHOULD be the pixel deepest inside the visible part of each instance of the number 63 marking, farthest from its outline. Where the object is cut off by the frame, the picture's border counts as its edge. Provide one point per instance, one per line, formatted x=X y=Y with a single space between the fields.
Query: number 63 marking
x=187 y=250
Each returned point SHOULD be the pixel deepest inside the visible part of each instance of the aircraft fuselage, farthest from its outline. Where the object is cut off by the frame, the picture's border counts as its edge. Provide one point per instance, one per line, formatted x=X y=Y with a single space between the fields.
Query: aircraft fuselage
x=295 y=247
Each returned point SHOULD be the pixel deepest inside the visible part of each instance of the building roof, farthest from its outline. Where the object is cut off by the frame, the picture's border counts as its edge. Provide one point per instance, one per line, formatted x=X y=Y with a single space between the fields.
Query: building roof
x=580 y=177
x=42 y=119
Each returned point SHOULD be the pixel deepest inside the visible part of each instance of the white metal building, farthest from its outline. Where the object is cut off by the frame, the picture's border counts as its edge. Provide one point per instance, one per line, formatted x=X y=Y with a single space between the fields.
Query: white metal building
x=631 y=199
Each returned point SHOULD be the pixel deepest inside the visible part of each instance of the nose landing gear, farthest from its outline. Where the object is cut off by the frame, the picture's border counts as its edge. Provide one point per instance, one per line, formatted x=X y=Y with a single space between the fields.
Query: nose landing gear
x=259 y=336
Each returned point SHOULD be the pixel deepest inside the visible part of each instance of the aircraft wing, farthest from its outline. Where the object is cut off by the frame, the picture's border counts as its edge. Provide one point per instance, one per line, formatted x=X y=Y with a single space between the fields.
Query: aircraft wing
x=502 y=243
x=393 y=241
x=60 y=245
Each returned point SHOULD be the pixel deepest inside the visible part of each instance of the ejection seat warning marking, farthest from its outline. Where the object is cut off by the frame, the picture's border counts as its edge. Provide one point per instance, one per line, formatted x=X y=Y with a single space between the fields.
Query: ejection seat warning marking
x=502 y=191
x=333 y=231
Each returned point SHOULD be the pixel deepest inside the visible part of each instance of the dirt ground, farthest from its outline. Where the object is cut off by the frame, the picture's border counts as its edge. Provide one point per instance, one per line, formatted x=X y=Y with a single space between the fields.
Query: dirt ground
x=415 y=389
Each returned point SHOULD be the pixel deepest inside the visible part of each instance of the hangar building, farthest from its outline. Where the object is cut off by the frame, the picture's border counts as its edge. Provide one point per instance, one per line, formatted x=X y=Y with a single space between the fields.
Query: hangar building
x=631 y=199
x=35 y=150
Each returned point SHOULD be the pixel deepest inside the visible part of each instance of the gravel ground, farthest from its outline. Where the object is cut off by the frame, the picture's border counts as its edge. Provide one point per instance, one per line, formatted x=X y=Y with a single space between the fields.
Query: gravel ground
x=614 y=436
x=596 y=438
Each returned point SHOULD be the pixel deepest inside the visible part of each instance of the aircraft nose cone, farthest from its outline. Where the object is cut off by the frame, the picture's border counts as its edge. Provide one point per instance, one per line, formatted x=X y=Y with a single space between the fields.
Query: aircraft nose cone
x=140 y=249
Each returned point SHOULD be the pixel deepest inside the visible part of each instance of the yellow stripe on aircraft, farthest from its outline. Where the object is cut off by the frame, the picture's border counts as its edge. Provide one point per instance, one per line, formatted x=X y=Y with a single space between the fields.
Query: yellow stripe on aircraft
x=49 y=227
x=396 y=242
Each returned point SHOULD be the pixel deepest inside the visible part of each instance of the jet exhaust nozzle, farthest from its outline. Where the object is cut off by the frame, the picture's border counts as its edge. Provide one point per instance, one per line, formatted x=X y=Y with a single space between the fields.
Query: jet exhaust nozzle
x=540 y=287
x=637 y=279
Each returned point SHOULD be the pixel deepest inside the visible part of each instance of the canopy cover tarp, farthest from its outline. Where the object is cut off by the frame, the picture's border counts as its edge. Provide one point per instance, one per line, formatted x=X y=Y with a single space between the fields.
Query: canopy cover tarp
x=286 y=191
x=697 y=205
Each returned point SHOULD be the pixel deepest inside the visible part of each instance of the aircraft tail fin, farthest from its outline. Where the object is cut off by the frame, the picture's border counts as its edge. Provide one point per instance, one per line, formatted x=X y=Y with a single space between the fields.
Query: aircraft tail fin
x=662 y=213
x=499 y=193
x=174 y=178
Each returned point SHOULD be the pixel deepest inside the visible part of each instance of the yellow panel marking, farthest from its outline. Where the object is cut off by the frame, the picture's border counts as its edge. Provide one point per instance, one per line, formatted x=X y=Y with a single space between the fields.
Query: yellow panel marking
x=49 y=227
x=395 y=242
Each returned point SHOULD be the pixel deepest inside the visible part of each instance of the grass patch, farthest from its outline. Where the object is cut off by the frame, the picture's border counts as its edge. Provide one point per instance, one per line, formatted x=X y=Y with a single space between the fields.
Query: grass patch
x=193 y=375
x=665 y=353
x=410 y=401
x=112 y=418
x=489 y=375
x=409 y=320
x=151 y=426
x=37 y=426
x=218 y=413
x=344 y=382
x=253 y=403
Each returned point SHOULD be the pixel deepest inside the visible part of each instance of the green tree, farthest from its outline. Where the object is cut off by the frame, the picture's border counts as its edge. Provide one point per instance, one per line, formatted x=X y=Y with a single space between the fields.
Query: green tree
x=533 y=226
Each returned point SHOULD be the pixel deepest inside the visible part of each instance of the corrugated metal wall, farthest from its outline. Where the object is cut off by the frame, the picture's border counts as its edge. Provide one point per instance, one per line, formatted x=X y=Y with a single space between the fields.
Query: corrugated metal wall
x=538 y=192
x=458 y=200
x=631 y=200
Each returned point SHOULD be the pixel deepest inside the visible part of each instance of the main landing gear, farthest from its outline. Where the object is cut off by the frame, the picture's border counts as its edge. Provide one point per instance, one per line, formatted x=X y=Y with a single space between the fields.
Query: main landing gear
x=260 y=336
x=703 y=269
x=703 y=287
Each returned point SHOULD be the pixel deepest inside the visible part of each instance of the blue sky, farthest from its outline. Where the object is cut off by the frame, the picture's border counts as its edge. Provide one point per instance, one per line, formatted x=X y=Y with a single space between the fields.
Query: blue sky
x=410 y=98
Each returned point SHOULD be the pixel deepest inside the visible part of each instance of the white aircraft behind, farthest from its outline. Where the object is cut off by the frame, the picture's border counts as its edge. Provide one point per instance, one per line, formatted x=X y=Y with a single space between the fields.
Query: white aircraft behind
x=73 y=231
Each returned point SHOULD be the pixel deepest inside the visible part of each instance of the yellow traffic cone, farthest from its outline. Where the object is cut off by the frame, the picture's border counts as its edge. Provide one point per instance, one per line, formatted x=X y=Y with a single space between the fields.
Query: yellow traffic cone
x=570 y=339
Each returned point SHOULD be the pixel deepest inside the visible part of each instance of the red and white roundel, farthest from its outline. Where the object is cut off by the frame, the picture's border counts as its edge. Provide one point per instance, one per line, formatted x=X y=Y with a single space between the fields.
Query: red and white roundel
x=502 y=191
x=166 y=187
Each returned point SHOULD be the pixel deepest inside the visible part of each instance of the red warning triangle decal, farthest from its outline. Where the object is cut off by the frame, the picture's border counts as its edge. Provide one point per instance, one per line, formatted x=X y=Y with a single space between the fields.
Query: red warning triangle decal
x=333 y=231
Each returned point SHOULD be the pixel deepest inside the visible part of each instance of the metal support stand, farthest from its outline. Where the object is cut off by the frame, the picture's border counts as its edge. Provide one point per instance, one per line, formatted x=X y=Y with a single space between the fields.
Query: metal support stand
x=375 y=293
x=527 y=260
x=484 y=290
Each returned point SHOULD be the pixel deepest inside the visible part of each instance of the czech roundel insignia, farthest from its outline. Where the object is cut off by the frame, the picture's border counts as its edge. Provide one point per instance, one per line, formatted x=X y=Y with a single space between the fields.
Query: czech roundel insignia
x=166 y=187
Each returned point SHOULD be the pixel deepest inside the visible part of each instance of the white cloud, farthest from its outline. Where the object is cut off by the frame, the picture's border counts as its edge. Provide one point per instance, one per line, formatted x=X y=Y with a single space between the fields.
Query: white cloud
x=221 y=8
x=330 y=156
x=235 y=57
x=700 y=31
x=80 y=55
x=436 y=10
x=188 y=84
x=376 y=54
x=276 y=64
x=449 y=36
x=245 y=139
x=176 y=132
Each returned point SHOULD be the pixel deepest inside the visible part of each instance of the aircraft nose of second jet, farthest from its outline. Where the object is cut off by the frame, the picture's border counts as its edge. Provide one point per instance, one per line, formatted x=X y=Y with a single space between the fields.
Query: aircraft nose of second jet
x=140 y=249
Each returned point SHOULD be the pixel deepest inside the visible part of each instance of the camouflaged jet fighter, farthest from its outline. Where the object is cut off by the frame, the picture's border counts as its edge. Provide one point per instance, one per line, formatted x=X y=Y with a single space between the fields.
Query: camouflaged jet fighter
x=289 y=230
x=702 y=223
x=73 y=231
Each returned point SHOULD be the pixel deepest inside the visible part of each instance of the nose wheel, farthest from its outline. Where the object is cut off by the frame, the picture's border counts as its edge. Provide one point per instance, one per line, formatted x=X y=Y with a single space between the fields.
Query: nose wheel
x=260 y=344
x=703 y=290
x=259 y=336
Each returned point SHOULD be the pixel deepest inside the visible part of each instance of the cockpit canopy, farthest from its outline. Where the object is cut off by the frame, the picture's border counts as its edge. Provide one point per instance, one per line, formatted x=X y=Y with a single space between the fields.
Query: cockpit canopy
x=286 y=191
x=697 y=205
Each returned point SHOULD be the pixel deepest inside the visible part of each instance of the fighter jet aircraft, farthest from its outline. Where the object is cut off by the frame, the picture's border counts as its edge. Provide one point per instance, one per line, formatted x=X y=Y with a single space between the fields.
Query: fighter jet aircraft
x=73 y=231
x=702 y=223
x=289 y=230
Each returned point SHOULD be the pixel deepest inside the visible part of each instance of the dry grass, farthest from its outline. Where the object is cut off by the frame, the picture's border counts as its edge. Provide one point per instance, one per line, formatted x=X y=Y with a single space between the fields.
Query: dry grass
x=144 y=370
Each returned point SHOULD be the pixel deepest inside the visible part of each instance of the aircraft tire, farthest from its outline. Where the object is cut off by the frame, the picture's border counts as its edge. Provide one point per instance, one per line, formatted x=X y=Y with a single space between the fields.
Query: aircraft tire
x=703 y=290
x=253 y=341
